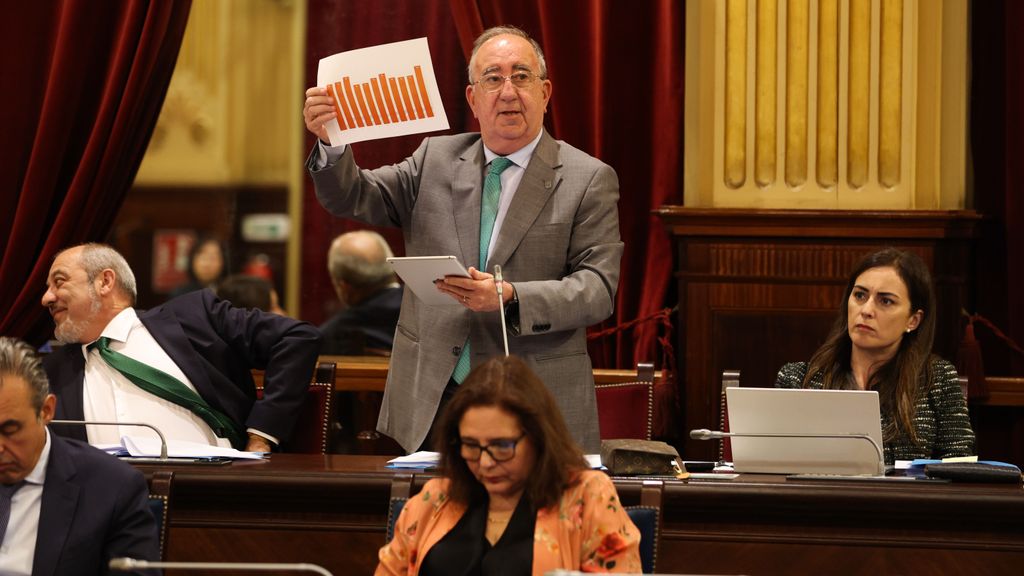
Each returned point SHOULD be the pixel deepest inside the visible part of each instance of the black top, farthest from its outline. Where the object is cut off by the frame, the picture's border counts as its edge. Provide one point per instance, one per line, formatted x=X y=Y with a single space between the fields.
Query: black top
x=465 y=551
x=941 y=421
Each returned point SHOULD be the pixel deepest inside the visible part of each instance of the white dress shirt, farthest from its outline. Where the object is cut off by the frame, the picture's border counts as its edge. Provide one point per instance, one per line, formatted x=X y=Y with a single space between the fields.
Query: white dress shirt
x=18 y=549
x=110 y=396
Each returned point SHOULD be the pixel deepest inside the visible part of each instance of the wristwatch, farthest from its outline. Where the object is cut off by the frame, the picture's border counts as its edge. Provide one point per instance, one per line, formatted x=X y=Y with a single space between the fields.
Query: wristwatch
x=512 y=313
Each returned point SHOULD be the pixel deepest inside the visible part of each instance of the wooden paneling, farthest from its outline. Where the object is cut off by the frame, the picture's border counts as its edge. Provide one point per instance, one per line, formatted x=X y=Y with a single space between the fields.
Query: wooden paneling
x=212 y=210
x=759 y=288
x=332 y=510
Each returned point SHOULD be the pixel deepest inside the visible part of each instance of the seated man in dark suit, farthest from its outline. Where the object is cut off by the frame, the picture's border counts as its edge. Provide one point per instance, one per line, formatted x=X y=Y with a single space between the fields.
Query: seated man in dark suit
x=66 y=508
x=369 y=293
x=184 y=367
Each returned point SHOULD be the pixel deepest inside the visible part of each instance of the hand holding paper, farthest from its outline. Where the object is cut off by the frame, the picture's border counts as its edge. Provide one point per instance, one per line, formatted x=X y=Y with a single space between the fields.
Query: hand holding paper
x=377 y=92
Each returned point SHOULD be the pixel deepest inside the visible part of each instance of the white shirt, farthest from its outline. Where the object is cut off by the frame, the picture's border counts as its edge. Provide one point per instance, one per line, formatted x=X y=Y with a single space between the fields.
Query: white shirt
x=18 y=549
x=510 y=178
x=111 y=397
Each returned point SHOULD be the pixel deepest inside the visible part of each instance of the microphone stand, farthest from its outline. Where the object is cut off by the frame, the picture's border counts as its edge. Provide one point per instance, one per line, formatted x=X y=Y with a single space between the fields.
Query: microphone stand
x=705 y=434
x=163 y=441
x=498 y=283
x=125 y=564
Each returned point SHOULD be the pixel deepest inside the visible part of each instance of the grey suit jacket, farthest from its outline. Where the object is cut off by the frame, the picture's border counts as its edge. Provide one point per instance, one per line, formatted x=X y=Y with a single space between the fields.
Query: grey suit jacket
x=559 y=245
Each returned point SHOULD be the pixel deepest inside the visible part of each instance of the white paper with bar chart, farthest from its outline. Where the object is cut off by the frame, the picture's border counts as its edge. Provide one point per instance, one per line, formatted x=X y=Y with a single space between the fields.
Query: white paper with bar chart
x=382 y=91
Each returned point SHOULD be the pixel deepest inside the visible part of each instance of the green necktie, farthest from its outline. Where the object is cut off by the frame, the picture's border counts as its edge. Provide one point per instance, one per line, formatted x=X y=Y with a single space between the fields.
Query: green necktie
x=488 y=212
x=163 y=385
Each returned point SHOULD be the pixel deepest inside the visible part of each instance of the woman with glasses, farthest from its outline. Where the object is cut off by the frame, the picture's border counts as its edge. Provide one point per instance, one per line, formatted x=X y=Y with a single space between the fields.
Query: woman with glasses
x=516 y=497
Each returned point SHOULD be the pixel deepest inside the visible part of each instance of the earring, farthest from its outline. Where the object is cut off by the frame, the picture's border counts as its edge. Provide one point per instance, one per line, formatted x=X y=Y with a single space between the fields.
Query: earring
x=908 y=330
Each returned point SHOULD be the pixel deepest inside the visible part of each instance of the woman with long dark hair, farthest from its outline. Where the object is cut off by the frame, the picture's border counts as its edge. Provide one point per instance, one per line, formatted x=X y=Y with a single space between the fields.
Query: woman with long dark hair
x=882 y=340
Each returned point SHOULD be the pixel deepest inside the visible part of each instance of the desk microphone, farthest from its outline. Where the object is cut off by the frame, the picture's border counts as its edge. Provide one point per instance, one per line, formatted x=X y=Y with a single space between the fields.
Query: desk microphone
x=163 y=441
x=705 y=434
x=501 y=305
x=125 y=564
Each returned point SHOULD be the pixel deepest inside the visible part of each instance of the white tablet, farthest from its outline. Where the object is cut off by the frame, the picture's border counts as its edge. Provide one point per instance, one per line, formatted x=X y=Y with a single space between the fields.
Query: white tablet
x=420 y=272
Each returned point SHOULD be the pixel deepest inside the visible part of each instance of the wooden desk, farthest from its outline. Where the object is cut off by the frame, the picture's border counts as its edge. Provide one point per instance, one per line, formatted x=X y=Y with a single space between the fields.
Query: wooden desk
x=369 y=373
x=331 y=510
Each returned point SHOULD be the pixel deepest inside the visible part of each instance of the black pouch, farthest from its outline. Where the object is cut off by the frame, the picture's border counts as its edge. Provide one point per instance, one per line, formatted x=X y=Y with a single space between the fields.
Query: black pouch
x=650 y=457
x=973 y=472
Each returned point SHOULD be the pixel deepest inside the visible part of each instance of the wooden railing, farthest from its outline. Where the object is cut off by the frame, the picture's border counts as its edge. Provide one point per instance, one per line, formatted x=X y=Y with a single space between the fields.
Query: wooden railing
x=1004 y=391
x=369 y=373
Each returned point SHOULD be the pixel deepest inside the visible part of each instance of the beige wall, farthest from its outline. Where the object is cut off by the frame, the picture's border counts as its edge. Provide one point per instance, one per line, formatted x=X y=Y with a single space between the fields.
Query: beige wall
x=852 y=104
x=232 y=112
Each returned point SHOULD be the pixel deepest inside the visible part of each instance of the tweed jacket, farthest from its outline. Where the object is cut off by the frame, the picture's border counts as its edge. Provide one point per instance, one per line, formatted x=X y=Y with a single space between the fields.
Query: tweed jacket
x=941 y=422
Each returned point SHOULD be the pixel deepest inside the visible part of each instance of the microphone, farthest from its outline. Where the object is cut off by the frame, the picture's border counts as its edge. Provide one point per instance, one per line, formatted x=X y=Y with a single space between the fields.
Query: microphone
x=125 y=564
x=705 y=434
x=498 y=283
x=163 y=441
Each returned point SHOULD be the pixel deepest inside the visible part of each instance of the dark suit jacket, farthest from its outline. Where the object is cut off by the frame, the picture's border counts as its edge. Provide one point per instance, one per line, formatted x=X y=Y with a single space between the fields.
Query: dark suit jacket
x=369 y=324
x=216 y=345
x=94 y=508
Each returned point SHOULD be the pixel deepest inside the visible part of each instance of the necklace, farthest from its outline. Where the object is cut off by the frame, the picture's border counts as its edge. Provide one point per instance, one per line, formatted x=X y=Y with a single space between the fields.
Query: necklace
x=498 y=519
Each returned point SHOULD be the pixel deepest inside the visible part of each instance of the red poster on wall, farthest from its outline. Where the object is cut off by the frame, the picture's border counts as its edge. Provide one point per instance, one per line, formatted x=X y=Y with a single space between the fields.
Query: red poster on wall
x=170 y=258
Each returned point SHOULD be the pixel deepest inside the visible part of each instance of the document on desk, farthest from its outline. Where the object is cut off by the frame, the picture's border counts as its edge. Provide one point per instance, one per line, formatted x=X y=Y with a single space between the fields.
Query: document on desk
x=139 y=446
x=426 y=459
x=416 y=460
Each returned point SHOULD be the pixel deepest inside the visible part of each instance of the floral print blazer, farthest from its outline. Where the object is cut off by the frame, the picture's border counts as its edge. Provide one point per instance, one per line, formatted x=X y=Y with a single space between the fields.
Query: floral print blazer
x=588 y=530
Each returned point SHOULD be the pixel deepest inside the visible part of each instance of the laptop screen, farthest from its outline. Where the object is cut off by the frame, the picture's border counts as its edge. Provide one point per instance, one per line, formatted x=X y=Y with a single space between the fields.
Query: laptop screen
x=798 y=411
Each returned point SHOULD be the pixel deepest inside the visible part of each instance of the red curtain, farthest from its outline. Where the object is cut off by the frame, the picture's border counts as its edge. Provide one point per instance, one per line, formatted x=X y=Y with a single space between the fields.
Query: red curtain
x=606 y=60
x=83 y=84
x=997 y=153
x=339 y=25
x=1013 y=193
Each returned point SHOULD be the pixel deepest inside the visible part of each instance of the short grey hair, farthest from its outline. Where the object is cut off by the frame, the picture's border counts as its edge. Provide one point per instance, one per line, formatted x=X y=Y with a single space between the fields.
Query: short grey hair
x=509 y=31
x=96 y=258
x=19 y=359
x=357 y=270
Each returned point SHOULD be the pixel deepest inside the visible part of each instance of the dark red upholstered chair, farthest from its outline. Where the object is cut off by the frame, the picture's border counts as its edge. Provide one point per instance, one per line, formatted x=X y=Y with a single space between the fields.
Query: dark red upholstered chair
x=730 y=378
x=624 y=410
x=312 y=431
x=160 y=484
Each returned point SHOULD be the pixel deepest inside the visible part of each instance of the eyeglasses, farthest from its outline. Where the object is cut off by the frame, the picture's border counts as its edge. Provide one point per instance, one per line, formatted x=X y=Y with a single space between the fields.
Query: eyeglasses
x=499 y=450
x=495 y=82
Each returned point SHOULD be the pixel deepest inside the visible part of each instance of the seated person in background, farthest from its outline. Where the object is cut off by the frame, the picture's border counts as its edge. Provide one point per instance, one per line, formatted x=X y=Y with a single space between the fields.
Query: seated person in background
x=882 y=340
x=207 y=265
x=516 y=491
x=369 y=293
x=184 y=367
x=250 y=292
x=66 y=508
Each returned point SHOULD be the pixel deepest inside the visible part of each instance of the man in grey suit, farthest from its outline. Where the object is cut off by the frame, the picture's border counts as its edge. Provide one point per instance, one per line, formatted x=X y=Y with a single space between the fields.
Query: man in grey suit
x=555 y=236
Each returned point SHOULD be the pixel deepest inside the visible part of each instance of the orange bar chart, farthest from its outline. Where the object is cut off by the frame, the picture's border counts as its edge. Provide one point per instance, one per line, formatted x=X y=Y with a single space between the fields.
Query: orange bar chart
x=381 y=99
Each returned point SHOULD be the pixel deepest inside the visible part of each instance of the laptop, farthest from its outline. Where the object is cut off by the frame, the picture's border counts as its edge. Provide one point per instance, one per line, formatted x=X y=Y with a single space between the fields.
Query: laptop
x=799 y=411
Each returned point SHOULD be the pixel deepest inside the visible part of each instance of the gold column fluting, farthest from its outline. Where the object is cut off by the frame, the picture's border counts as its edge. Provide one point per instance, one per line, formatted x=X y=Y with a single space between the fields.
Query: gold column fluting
x=859 y=93
x=827 y=167
x=797 y=19
x=765 y=107
x=735 y=138
x=890 y=92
